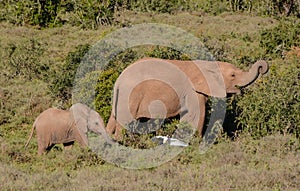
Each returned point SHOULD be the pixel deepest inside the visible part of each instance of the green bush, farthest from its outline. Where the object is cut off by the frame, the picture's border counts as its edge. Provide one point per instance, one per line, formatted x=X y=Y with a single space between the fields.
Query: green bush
x=212 y=7
x=159 y=6
x=165 y=53
x=272 y=104
x=266 y=7
x=62 y=80
x=107 y=79
x=51 y=13
x=278 y=40
x=45 y=13
x=91 y=14
x=42 y=13
x=280 y=7
x=104 y=92
x=215 y=7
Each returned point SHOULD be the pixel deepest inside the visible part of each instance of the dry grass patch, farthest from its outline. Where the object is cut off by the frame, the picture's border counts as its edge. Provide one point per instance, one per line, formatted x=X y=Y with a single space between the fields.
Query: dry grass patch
x=271 y=163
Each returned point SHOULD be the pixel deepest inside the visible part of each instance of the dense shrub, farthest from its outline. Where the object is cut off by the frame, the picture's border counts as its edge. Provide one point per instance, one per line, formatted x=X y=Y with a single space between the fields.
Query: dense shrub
x=104 y=92
x=92 y=13
x=211 y=6
x=272 y=104
x=107 y=79
x=159 y=6
x=166 y=53
x=43 y=13
x=281 y=7
x=63 y=79
x=50 y=13
x=214 y=7
x=278 y=40
x=267 y=7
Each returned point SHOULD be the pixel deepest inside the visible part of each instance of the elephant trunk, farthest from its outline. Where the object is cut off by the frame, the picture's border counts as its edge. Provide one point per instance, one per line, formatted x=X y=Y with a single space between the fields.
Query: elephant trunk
x=260 y=67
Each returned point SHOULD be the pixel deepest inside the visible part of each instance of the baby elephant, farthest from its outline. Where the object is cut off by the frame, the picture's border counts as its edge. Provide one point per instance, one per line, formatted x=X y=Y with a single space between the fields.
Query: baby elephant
x=54 y=126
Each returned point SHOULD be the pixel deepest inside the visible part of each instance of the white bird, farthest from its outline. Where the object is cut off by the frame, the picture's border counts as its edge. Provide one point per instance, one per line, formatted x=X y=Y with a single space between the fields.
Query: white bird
x=171 y=141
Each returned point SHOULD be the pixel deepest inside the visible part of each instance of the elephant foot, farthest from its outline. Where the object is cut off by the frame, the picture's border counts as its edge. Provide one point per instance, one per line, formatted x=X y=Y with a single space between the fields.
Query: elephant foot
x=211 y=136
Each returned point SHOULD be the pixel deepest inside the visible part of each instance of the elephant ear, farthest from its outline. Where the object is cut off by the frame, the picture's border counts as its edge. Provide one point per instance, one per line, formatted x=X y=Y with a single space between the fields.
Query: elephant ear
x=206 y=77
x=80 y=113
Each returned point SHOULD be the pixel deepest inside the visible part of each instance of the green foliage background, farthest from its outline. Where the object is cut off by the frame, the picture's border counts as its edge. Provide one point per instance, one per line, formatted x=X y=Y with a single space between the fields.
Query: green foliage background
x=273 y=104
x=91 y=13
x=281 y=38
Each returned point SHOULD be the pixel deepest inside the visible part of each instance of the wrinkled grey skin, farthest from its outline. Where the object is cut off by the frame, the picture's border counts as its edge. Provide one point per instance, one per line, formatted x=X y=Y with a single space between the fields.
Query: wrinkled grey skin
x=157 y=88
x=54 y=126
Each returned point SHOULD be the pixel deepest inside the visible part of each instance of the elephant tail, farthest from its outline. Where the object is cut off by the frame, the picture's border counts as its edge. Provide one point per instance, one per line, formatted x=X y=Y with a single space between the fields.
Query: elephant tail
x=31 y=134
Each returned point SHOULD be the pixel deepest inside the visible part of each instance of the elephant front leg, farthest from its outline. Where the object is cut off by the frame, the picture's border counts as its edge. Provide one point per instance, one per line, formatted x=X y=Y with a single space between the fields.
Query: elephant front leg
x=202 y=101
x=44 y=143
x=214 y=127
x=195 y=112
x=41 y=150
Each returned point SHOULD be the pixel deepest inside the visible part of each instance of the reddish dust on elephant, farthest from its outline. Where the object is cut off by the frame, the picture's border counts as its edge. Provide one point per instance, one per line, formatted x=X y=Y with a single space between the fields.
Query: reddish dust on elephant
x=158 y=88
x=56 y=126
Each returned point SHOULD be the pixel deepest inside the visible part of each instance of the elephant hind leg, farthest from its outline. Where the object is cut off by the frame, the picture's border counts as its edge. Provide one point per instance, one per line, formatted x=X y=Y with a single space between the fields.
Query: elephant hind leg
x=68 y=146
x=111 y=125
x=114 y=129
x=41 y=150
x=118 y=135
x=44 y=149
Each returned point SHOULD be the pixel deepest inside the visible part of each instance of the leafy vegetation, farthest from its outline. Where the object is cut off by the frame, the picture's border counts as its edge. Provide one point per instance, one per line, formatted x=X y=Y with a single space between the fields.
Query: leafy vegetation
x=91 y=13
x=52 y=13
x=273 y=104
x=62 y=82
x=37 y=70
x=42 y=13
x=278 y=40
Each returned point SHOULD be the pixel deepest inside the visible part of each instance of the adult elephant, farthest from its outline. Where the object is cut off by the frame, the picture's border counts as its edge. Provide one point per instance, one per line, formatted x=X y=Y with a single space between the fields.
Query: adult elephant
x=54 y=126
x=158 y=88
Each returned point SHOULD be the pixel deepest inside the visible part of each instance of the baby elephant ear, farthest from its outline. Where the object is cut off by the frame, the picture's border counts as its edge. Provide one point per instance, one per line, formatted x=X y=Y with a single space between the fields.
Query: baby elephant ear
x=209 y=79
x=79 y=112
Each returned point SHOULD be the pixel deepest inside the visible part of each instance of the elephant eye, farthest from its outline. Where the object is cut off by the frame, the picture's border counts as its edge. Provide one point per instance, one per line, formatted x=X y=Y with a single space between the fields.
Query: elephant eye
x=233 y=75
x=96 y=123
